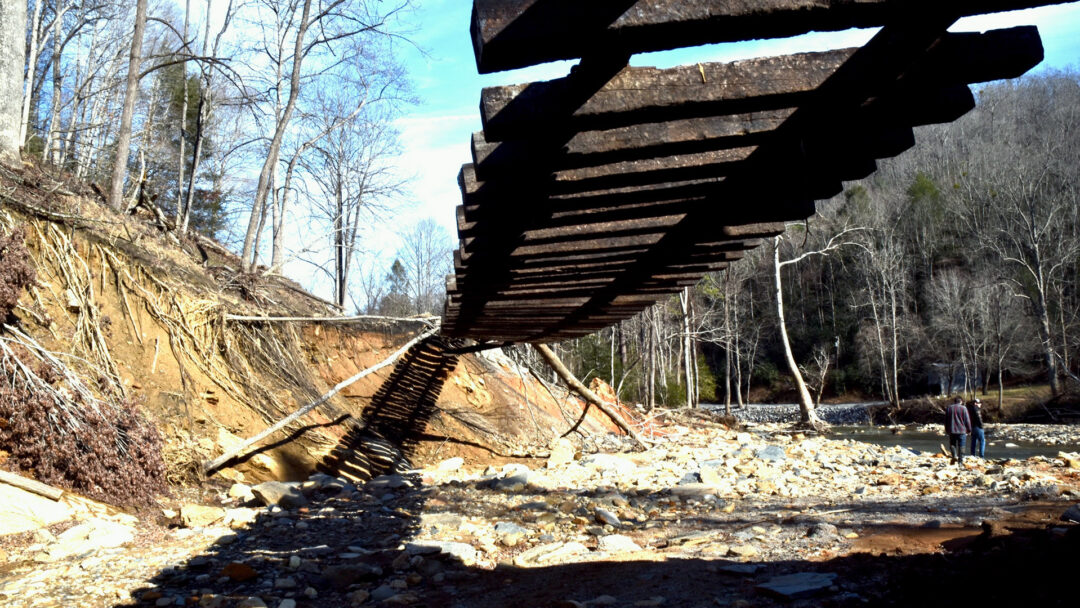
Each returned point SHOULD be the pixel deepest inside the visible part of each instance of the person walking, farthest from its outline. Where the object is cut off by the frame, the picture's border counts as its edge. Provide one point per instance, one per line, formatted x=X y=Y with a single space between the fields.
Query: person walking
x=978 y=437
x=957 y=427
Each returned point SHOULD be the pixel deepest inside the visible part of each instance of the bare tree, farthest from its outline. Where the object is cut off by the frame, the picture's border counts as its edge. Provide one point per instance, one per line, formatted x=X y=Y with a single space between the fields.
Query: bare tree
x=426 y=254
x=1018 y=189
x=303 y=30
x=807 y=410
x=123 y=141
x=354 y=179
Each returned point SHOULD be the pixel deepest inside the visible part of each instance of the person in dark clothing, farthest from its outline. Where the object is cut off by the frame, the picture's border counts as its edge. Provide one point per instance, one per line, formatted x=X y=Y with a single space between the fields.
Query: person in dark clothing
x=957 y=427
x=978 y=437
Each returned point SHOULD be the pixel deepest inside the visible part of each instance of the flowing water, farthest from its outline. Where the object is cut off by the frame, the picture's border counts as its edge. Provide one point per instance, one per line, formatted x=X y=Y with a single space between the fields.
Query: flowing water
x=850 y=420
x=923 y=441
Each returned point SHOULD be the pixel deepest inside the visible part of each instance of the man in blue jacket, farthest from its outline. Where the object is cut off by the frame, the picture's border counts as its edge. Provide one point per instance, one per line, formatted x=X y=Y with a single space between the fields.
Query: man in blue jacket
x=957 y=427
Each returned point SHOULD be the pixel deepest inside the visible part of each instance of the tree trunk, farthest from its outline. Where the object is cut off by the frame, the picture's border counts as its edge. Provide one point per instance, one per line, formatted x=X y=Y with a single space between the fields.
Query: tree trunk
x=31 y=63
x=12 y=55
x=727 y=343
x=687 y=347
x=557 y=366
x=123 y=139
x=807 y=413
x=51 y=150
x=1001 y=389
x=263 y=188
x=894 y=396
x=1047 y=343
x=181 y=159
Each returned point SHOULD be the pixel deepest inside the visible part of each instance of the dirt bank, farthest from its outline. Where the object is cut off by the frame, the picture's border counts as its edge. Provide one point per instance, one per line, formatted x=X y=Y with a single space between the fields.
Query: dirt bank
x=136 y=313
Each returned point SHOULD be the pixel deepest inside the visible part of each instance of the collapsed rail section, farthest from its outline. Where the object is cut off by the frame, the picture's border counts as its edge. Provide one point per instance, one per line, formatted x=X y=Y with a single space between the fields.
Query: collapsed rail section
x=592 y=196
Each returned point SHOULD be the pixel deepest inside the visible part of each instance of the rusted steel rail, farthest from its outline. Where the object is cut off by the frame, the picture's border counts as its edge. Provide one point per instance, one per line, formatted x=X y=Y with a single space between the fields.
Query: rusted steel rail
x=592 y=196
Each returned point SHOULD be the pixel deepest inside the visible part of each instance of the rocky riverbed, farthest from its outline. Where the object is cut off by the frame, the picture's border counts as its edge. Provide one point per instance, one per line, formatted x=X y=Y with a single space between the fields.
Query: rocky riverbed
x=706 y=517
x=833 y=413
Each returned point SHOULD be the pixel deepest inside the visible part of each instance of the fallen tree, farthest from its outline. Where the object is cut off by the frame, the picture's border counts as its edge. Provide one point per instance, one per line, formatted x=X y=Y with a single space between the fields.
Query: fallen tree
x=590 y=397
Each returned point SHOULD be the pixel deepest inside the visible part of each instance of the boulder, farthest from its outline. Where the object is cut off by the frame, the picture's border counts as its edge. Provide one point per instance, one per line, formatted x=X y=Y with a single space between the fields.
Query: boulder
x=515 y=482
x=284 y=495
x=771 y=453
x=462 y=551
x=617 y=543
x=800 y=585
x=451 y=464
x=88 y=537
x=712 y=472
x=200 y=516
x=241 y=492
x=550 y=553
x=609 y=463
x=510 y=533
x=22 y=511
x=241 y=517
x=350 y=574
x=562 y=452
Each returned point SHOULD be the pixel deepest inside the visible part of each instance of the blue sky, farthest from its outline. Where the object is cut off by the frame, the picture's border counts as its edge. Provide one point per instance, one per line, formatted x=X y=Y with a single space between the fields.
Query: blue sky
x=436 y=132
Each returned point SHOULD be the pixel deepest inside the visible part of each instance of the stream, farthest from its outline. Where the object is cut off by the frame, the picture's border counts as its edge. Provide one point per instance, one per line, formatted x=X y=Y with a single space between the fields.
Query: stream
x=850 y=421
x=924 y=441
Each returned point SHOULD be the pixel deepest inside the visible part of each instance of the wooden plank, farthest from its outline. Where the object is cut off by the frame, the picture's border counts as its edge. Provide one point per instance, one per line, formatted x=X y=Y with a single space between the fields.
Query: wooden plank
x=700 y=135
x=844 y=153
x=509 y=34
x=635 y=142
x=649 y=95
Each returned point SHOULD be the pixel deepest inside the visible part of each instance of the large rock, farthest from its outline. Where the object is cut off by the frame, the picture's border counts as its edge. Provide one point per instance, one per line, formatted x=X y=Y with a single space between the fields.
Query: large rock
x=551 y=553
x=771 y=453
x=515 y=482
x=795 y=586
x=22 y=511
x=451 y=464
x=350 y=574
x=713 y=472
x=284 y=495
x=199 y=516
x=617 y=543
x=241 y=517
x=462 y=551
x=609 y=463
x=241 y=492
x=1072 y=514
x=562 y=452
x=509 y=533
x=89 y=537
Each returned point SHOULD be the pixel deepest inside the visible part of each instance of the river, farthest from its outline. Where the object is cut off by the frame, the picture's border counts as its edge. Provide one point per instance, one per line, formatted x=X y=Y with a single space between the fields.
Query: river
x=851 y=421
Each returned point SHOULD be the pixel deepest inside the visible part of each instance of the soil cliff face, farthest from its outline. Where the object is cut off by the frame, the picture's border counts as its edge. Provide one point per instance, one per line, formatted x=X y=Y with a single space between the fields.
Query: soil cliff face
x=138 y=314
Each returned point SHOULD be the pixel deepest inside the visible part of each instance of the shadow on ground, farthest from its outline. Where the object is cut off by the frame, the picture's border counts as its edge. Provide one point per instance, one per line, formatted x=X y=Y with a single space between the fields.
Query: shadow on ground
x=357 y=547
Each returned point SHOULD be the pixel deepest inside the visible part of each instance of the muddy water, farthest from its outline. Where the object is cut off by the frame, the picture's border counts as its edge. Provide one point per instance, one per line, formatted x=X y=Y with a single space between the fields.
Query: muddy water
x=922 y=441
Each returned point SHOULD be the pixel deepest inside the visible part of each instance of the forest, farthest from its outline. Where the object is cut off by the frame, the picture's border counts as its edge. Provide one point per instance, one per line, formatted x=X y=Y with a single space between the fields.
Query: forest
x=953 y=269
x=270 y=127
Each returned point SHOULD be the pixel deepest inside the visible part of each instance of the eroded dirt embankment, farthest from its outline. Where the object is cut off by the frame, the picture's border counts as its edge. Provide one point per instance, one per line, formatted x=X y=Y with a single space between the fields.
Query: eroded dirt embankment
x=138 y=314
